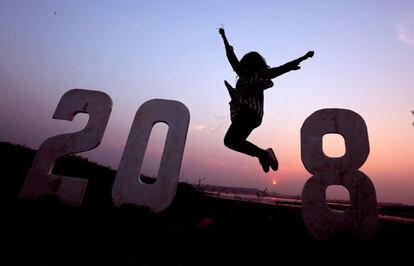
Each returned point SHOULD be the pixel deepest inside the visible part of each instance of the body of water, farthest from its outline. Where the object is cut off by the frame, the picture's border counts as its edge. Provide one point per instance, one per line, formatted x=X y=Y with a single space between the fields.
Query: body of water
x=296 y=203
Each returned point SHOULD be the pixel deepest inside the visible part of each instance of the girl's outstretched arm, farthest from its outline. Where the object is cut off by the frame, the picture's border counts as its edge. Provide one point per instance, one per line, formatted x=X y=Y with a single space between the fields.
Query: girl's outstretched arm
x=231 y=56
x=292 y=65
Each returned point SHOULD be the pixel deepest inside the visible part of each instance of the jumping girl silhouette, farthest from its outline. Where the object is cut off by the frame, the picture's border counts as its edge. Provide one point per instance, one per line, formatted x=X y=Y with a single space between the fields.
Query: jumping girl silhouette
x=246 y=105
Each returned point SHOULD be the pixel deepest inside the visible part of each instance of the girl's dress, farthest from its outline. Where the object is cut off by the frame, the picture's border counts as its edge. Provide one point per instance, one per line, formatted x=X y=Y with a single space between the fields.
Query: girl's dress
x=247 y=100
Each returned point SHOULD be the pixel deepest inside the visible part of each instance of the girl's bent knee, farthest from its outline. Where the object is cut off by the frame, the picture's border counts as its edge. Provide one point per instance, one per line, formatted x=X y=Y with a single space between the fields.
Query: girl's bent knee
x=229 y=142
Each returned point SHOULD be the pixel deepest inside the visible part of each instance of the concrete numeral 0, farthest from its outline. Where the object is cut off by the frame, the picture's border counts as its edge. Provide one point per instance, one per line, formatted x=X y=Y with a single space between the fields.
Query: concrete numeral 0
x=362 y=216
x=39 y=182
x=127 y=186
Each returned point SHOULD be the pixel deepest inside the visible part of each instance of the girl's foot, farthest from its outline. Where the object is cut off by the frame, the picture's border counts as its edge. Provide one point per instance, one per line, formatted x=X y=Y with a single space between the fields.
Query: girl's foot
x=272 y=158
x=264 y=162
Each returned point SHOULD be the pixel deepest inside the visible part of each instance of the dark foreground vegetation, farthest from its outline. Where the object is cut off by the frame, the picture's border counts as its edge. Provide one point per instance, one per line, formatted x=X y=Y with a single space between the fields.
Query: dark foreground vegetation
x=194 y=230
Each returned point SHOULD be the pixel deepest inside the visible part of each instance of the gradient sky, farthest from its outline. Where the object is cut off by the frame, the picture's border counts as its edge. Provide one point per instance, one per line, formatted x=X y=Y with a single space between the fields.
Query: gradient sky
x=139 y=50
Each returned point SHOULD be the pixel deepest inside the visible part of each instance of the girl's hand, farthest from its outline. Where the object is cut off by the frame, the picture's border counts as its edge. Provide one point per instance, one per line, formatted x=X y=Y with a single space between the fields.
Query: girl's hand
x=309 y=54
x=221 y=31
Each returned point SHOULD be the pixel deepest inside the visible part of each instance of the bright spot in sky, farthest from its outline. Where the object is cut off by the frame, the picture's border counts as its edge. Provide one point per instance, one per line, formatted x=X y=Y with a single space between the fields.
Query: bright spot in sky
x=274 y=182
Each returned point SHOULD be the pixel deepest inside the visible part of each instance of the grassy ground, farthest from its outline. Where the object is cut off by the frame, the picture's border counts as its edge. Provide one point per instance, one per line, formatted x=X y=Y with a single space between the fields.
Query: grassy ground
x=194 y=230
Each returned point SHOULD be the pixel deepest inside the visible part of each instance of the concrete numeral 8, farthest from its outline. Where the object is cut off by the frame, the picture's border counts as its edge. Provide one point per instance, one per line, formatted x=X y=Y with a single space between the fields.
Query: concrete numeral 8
x=361 y=218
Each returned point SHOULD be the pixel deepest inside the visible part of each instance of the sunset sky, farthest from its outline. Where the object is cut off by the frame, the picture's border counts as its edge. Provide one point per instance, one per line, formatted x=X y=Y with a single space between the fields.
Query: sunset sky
x=140 y=50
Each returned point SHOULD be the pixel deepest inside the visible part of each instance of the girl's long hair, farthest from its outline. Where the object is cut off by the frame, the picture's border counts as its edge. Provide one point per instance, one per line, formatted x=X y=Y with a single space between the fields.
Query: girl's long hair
x=252 y=62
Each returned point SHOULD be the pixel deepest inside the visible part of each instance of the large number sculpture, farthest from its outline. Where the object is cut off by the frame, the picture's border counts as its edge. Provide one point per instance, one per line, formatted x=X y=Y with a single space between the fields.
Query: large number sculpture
x=39 y=182
x=322 y=223
x=128 y=188
x=361 y=218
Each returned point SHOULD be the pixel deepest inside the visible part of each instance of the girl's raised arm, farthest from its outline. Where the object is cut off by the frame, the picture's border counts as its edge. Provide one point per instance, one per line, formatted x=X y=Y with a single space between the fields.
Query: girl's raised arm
x=231 y=56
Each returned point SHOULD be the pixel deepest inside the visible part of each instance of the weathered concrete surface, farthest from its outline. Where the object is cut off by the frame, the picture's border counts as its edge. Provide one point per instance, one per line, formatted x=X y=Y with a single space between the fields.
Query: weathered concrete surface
x=127 y=186
x=39 y=182
x=361 y=218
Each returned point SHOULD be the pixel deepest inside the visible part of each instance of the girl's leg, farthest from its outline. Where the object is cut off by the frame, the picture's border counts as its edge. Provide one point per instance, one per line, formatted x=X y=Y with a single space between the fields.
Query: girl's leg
x=235 y=139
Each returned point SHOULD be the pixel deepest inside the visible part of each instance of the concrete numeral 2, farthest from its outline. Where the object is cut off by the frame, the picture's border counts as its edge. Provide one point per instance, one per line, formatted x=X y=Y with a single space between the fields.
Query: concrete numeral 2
x=39 y=182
